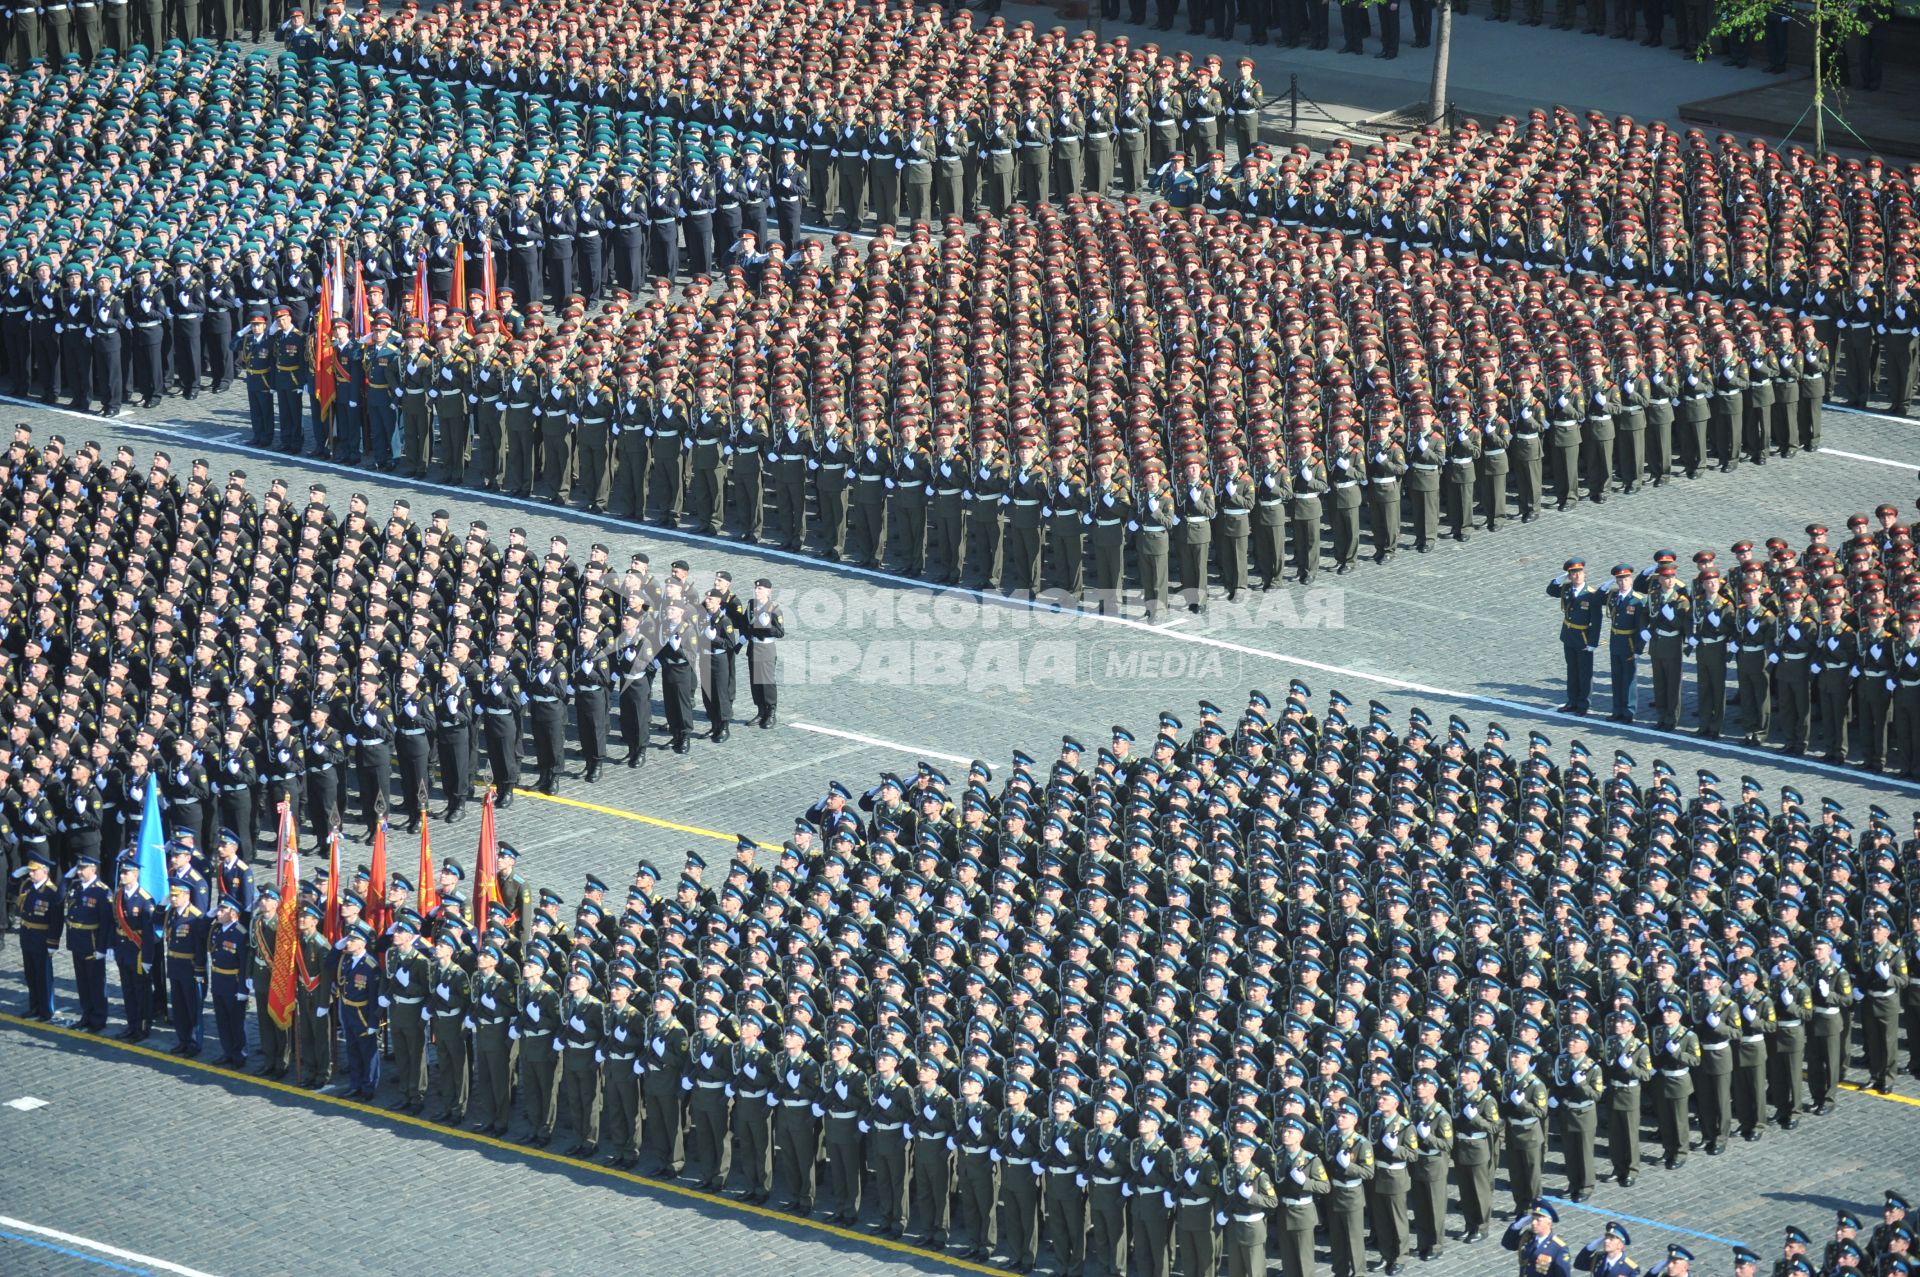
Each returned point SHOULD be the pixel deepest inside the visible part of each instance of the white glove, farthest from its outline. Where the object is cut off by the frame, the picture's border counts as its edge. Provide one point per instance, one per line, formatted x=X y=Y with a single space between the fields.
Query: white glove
x=771 y=1102
x=1624 y=1060
x=1246 y=1190
x=320 y=1013
x=513 y=1033
x=1344 y=1158
x=1786 y=997
x=686 y=1084
x=1079 y=1181
x=817 y=1111
x=599 y=1057
x=1126 y=1190
x=1553 y=1101
x=580 y=1026
x=1750 y=1014
x=950 y=1144
x=1826 y=990
x=1882 y=970
x=1038 y=1170
x=993 y=1155
x=1470 y=1112
x=558 y=1046
x=1166 y=1199
x=1219 y=1219
x=384 y=1003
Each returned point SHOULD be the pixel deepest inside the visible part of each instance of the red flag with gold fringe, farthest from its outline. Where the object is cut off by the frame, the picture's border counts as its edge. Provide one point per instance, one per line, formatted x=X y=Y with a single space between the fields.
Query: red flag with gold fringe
x=283 y=987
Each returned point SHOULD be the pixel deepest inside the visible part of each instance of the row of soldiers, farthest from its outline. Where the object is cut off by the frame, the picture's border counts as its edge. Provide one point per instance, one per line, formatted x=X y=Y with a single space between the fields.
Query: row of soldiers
x=1183 y=970
x=1179 y=103
x=1823 y=644
x=243 y=653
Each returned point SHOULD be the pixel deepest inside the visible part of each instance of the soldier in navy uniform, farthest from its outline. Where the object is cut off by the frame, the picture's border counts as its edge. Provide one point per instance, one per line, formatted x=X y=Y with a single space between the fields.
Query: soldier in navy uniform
x=1627 y=633
x=106 y=319
x=1542 y=1252
x=228 y=961
x=358 y=985
x=663 y=225
x=187 y=926
x=40 y=913
x=136 y=947
x=1580 y=608
x=1606 y=1255
x=146 y=313
x=89 y=914
x=290 y=377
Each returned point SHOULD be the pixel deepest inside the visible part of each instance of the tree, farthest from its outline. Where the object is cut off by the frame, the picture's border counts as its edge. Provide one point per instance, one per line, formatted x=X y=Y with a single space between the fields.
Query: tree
x=1442 y=48
x=1831 y=22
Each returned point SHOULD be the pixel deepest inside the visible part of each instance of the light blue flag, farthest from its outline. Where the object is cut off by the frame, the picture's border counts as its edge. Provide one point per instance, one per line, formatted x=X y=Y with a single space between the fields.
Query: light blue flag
x=152 y=856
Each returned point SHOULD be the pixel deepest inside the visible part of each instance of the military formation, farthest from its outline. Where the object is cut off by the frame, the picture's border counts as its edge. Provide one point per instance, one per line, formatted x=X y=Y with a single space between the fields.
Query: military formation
x=1818 y=647
x=245 y=650
x=1122 y=404
x=1186 y=996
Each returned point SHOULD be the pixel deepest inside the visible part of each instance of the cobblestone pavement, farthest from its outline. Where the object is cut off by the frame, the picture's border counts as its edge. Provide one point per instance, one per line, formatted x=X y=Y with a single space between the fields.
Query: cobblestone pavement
x=171 y=1161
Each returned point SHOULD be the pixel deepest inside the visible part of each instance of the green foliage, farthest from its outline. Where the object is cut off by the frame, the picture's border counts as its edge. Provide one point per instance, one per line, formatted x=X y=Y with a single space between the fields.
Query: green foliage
x=1833 y=23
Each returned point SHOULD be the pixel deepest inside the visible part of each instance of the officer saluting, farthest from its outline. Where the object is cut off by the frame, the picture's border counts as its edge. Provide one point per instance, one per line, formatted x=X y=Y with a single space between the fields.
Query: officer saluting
x=1606 y=1255
x=1580 y=612
x=1542 y=1253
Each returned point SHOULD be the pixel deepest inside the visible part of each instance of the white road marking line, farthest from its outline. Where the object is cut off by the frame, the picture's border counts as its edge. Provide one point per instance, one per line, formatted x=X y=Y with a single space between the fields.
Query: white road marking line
x=28 y=1103
x=878 y=743
x=175 y=431
x=132 y=1256
x=1878 y=461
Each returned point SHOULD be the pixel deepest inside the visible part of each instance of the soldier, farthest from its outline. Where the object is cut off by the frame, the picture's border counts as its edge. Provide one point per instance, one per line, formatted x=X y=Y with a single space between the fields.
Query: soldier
x=404 y=993
x=1249 y=1195
x=1676 y=1053
x=590 y=422
x=935 y=1123
x=1523 y=1109
x=887 y=1099
x=1836 y=654
x=227 y=963
x=1793 y=653
x=669 y=438
x=1065 y=510
x=136 y=947
x=831 y=467
x=710 y=1070
x=870 y=473
x=1395 y=1144
x=1668 y=629
x=451 y=1012
x=492 y=1007
x=1346 y=467
x=1194 y=506
x=662 y=1068
x=1628 y=1064
x=1026 y=503
x=290 y=377
x=359 y=985
x=1786 y=1054
x=748 y=445
x=1433 y=1129
x=536 y=1022
x=1884 y=976
x=1541 y=1251
x=705 y=444
x=796 y=1098
x=976 y=1171
x=315 y=990
x=1606 y=1255
x=751 y=1065
x=987 y=483
x=1350 y=1171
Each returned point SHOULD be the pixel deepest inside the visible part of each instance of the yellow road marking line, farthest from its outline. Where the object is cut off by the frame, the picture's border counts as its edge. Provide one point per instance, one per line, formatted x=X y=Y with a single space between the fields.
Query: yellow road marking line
x=1880 y=1095
x=507 y=1146
x=622 y=814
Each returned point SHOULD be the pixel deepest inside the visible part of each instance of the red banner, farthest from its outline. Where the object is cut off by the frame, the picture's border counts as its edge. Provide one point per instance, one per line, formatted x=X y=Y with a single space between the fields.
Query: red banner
x=486 y=866
x=283 y=989
x=429 y=895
